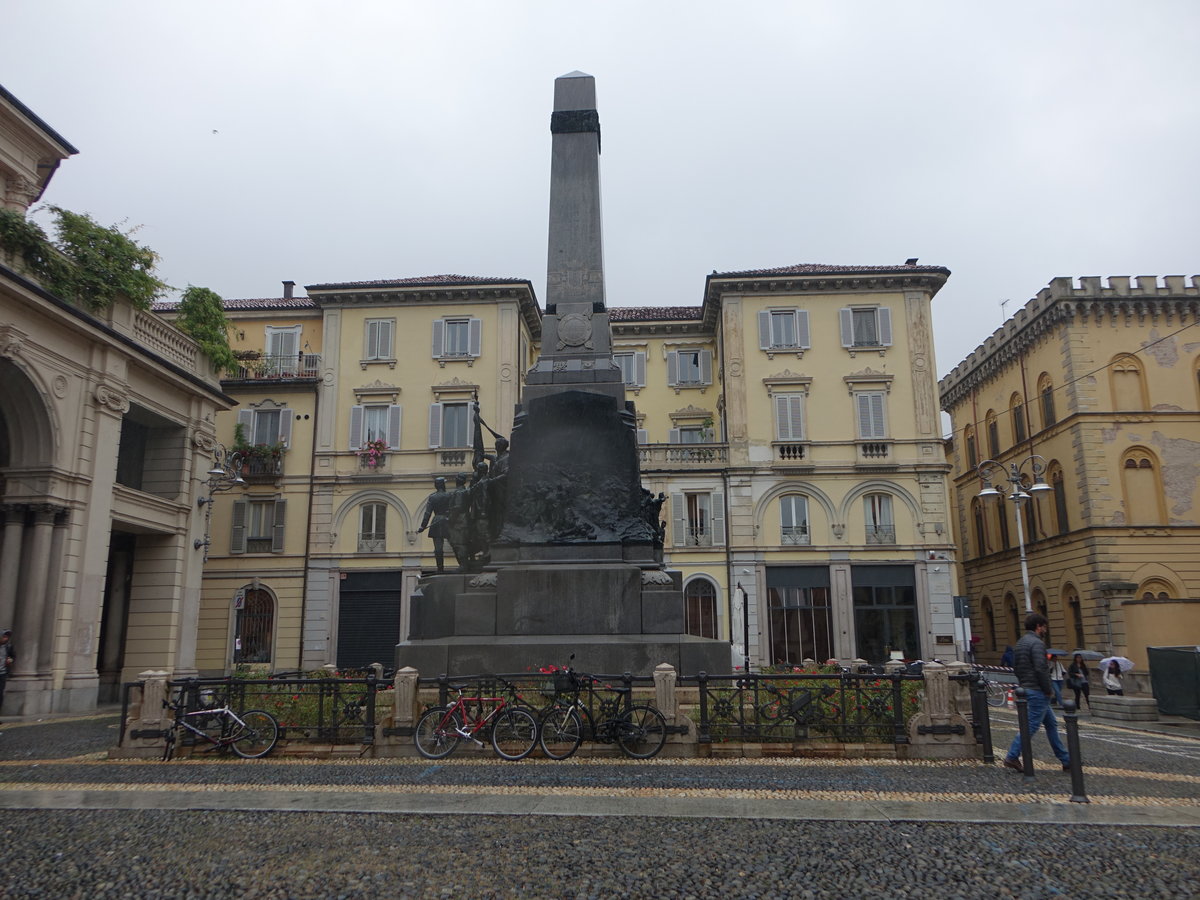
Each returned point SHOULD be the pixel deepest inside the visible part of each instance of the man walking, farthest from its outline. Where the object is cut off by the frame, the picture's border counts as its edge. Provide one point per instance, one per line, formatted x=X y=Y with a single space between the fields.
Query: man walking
x=7 y=657
x=1029 y=664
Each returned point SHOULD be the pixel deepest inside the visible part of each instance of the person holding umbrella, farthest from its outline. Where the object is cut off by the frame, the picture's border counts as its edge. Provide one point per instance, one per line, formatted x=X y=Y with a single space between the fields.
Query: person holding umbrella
x=1113 y=668
x=1029 y=663
x=1078 y=680
x=1057 y=675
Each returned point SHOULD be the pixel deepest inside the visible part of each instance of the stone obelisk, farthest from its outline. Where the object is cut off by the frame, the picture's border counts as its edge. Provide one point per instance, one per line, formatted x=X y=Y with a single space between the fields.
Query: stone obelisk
x=578 y=566
x=576 y=337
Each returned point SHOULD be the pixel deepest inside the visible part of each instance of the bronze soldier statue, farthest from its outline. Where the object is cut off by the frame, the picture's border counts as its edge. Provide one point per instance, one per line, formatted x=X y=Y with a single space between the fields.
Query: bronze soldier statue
x=437 y=508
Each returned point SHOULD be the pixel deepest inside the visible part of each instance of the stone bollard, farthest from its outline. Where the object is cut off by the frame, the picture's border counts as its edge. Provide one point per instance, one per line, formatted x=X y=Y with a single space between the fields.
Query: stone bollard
x=149 y=717
x=1071 y=720
x=940 y=730
x=1023 y=728
x=404 y=714
x=665 y=678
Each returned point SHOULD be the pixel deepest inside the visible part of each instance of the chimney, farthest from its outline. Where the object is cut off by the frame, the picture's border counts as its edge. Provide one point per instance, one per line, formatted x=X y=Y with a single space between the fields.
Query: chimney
x=288 y=287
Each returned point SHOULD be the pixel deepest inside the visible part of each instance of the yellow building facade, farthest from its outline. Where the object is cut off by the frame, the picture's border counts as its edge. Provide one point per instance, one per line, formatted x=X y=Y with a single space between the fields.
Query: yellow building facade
x=1101 y=383
x=790 y=421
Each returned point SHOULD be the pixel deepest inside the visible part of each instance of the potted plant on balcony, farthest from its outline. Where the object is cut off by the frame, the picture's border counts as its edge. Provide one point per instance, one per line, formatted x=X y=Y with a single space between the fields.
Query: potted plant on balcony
x=257 y=459
x=373 y=453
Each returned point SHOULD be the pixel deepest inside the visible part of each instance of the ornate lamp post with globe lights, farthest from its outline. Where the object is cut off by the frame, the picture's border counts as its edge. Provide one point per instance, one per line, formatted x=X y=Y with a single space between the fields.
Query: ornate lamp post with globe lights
x=225 y=473
x=1018 y=493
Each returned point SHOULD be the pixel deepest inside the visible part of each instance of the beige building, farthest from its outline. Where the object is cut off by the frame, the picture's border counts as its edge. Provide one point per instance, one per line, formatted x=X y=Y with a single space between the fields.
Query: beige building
x=1101 y=382
x=106 y=431
x=790 y=421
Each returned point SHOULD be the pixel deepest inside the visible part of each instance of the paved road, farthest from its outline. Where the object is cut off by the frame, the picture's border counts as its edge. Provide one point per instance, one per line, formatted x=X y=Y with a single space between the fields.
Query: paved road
x=79 y=824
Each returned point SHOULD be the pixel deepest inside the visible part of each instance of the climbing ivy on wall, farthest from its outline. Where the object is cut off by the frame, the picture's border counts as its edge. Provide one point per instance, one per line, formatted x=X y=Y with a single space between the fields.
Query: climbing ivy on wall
x=202 y=316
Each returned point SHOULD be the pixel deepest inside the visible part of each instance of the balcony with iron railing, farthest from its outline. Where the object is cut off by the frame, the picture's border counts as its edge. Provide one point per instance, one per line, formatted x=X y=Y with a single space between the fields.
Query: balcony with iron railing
x=795 y=535
x=260 y=367
x=262 y=468
x=881 y=534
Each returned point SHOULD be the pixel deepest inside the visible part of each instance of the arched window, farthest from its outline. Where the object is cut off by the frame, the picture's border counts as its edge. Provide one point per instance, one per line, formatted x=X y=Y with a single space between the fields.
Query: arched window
x=1029 y=512
x=253 y=626
x=1061 y=523
x=1014 y=617
x=1128 y=384
x=989 y=624
x=1074 y=614
x=972 y=449
x=1039 y=604
x=372 y=528
x=881 y=526
x=1046 y=394
x=1001 y=505
x=793 y=519
x=1143 y=493
x=1017 y=405
x=701 y=597
x=981 y=547
x=1156 y=589
x=993 y=434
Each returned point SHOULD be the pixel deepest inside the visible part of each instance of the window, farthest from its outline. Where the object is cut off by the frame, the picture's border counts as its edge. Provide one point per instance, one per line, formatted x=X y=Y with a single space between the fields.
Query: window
x=450 y=425
x=253 y=626
x=378 y=343
x=866 y=327
x=457 y=338
x=972 y=451
x=1128 y=387
x=789 y=417
x=701 y=597
x=980 y=527
x=871 y=424
x=989 y=624
x=698 y=519
x=1046 y=392
x=783 y=329
x=1075 y=613
x=885 y=612
x=800 y=622
x=1060 y=501
x=633 y=367
x=1143 y=493
x=689 y=368
x=283 y=350
x=993 y=435
x=372 y=528
x=881 y=527
x=373 y=422
x=688 y=434
x=1018 y=418
x=268 y=424
x=1002 y=522
x=793 y=519
x=258 y=526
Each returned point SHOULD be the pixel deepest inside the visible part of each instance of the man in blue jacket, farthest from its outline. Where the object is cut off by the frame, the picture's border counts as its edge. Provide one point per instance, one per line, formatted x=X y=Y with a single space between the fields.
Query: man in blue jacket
x=1029 y=664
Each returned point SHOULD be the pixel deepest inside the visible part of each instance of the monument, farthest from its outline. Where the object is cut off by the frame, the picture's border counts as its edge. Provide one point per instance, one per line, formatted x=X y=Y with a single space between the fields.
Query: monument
x=576 y=566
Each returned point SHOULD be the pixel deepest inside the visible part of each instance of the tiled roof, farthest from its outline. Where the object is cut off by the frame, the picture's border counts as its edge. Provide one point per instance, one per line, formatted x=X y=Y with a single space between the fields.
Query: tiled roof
x=419 y=281
x=823 y=269
x=259 y=303
x=652 y=313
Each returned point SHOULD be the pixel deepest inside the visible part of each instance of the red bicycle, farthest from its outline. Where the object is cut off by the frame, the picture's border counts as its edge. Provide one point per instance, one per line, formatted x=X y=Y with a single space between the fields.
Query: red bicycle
x=513 y=729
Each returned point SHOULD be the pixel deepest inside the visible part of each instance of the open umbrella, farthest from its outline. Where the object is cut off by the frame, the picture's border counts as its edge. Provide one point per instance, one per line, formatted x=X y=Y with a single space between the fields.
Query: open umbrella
x=1087 y=654
x=1124 y=662
x=1052 y=652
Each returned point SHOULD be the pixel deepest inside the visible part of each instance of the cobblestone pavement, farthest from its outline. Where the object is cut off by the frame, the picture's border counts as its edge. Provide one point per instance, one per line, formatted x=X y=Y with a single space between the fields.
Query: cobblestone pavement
x=77 y=824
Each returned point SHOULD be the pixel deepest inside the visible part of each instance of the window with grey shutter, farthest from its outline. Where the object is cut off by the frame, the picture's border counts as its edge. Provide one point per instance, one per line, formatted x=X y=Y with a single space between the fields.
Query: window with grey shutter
x=871 y=424
x=237 y=531
x=285 y=426
x=393 y=431
x=718 y=519
x=885 y=326
x=789 y=417
x=706 y=367
x=475 y=344
x=679 y=522
x=356 y=427
x=277 y=529
x=435 y=425
x=438 y=343
x=672 y=368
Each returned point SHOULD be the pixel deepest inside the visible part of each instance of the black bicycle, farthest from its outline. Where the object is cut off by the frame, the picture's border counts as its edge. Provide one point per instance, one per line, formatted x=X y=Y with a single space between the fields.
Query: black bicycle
x=249 y=734
x=638 y=729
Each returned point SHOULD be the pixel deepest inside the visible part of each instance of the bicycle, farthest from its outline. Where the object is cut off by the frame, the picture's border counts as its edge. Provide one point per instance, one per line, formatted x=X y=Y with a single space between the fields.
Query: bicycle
x=250 y=734
x=638 y=729
x=997 y=690
x=513 y=729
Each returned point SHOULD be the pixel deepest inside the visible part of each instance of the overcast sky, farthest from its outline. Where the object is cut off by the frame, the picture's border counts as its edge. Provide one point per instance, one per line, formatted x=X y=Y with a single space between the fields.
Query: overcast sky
x=258 y=141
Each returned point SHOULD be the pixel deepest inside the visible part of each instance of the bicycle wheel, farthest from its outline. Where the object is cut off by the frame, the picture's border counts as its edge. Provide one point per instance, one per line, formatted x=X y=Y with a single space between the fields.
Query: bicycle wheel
x=641 y=731
x=997 y=693
x=436 y=734
x=257 y=737
x=560 y=732
x=514 y=735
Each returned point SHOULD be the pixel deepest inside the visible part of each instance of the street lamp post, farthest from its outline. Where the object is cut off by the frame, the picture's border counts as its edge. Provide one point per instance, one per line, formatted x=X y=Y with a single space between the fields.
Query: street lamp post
x=1013 y=473
x=225 y=473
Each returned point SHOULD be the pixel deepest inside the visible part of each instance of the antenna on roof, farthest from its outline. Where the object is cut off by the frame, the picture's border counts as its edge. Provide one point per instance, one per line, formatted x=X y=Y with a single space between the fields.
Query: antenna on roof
x=1003 y=311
